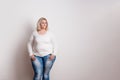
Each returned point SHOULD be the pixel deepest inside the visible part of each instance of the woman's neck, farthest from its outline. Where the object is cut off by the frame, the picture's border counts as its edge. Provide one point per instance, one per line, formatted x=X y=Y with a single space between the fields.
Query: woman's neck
x=42 y=31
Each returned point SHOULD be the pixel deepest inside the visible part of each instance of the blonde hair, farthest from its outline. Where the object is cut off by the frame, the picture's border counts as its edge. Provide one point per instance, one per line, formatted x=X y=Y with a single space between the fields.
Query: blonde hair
x=39 y=23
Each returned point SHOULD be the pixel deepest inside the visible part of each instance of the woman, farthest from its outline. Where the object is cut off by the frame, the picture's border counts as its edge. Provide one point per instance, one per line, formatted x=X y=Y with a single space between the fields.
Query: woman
x=42 y=50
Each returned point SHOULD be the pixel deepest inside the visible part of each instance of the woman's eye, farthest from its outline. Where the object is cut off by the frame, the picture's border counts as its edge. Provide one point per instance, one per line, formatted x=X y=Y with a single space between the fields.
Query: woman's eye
x=43 y=23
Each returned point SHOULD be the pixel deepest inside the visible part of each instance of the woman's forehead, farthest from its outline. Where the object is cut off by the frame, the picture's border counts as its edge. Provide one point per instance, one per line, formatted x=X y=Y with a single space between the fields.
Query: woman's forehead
x=43 y=20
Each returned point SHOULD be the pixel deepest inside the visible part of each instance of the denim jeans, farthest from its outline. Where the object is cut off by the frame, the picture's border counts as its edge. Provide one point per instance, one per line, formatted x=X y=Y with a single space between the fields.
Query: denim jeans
x=42 y=67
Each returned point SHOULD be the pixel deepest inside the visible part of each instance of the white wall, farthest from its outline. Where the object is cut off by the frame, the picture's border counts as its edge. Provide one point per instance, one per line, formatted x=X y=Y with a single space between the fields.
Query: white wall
x=87 y=32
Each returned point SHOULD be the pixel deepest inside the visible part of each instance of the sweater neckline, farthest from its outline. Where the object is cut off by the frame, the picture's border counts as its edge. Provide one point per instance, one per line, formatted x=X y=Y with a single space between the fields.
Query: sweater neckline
x=41 y=34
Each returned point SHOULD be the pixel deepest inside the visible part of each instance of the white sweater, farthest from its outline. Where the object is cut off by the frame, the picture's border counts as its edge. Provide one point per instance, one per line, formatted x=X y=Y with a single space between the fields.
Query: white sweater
x=42 y=45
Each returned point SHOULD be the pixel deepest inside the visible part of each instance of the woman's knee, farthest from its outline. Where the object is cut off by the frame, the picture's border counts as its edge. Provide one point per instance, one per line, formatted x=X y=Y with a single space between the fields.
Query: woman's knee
x=37 y=76
x=46 y=76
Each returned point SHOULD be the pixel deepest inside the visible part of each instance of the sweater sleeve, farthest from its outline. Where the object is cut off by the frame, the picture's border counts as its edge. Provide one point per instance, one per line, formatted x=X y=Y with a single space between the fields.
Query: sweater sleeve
x=30 y=45
x=54 y=44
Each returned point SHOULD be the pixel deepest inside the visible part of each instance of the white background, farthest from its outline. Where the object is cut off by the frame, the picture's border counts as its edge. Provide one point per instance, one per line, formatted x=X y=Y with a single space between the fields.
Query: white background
x=87 y=32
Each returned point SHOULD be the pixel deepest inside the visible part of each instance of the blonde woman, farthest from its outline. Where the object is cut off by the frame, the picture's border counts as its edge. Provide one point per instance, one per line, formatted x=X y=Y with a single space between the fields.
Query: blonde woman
x=42 y=50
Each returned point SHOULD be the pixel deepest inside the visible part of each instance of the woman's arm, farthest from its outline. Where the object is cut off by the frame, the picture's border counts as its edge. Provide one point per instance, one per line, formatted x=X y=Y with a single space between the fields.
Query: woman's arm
x=30 y=44
x=54 y=44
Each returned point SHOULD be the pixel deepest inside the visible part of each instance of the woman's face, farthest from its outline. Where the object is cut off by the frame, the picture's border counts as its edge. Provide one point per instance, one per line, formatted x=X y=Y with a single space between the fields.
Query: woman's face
x=43 y=24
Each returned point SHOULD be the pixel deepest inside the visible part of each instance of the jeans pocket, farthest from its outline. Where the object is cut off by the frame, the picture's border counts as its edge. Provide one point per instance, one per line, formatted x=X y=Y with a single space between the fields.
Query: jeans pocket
x=52 y=59
x=33 y=60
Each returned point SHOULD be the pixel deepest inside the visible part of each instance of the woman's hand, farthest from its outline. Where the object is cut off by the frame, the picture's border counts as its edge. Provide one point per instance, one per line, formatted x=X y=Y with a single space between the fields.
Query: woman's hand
x=33 y=58
x=51 y=57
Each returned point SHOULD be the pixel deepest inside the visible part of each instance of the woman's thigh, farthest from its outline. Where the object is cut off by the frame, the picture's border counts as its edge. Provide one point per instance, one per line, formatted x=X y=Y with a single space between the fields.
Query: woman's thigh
x=48 y=63
x=37 y=65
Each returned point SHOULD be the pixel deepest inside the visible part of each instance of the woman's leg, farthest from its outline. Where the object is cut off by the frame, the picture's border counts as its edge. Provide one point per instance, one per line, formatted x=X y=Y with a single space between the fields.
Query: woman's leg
x=47 y=66
x=37 y=65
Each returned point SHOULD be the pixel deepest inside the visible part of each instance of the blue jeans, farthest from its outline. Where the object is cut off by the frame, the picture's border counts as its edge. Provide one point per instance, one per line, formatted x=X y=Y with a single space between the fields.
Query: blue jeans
x=42 y=67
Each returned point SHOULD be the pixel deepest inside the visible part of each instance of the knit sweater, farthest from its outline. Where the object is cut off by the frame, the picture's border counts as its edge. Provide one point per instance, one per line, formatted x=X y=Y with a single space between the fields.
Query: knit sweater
x=42 y=44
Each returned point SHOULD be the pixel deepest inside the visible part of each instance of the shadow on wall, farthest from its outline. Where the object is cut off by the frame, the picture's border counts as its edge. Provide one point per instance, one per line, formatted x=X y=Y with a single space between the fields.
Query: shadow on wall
x=22 y=64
